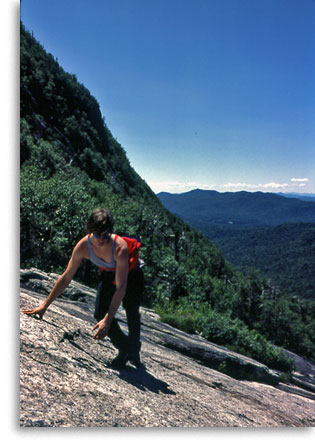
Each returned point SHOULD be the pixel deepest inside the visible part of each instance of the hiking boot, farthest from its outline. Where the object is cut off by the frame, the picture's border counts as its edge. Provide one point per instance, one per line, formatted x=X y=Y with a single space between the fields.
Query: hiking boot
x=134 y=359
x=120 y=360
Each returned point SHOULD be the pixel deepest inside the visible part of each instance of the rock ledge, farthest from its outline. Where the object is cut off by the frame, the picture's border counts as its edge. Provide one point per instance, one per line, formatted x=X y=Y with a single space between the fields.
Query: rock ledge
x=66 y=380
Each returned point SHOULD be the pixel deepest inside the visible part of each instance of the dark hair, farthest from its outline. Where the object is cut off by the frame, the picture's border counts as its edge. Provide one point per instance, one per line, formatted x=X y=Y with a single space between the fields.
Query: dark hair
x=100 y=220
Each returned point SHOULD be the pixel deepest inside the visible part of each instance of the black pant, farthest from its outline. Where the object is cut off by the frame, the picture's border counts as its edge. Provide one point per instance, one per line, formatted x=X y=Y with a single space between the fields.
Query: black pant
x=131 y=304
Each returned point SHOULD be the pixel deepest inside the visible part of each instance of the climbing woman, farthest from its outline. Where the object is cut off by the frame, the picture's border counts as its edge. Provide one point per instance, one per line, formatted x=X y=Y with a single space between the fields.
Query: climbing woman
x=121 y=281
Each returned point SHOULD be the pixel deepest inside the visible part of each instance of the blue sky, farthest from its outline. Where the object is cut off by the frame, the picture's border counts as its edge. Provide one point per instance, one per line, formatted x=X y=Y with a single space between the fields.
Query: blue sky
x=215 y=94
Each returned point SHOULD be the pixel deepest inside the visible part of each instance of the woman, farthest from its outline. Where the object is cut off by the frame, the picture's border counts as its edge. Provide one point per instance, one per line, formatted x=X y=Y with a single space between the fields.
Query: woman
x=117 y=284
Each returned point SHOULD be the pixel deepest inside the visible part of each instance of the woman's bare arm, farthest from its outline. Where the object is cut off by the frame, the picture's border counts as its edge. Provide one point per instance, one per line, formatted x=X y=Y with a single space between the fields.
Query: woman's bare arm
x=62 y=282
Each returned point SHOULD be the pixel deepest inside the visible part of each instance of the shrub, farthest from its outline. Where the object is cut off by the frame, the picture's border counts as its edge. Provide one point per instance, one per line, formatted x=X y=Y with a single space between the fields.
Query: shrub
x=222 y=329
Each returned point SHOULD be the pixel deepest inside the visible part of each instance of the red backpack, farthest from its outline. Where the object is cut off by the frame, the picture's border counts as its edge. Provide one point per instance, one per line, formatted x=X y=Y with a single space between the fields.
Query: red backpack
x=133 y=248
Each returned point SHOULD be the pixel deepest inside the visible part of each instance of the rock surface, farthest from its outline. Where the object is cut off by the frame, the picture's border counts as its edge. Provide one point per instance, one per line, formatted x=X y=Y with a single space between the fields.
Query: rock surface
x=66 y=379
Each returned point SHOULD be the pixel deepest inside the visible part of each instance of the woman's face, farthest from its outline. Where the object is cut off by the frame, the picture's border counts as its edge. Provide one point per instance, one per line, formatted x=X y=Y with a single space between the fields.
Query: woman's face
x=101 y=238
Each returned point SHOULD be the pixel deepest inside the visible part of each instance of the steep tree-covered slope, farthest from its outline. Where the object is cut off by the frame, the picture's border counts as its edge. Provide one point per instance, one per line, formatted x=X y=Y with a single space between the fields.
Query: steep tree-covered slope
x=71 y=164
x=285 y=253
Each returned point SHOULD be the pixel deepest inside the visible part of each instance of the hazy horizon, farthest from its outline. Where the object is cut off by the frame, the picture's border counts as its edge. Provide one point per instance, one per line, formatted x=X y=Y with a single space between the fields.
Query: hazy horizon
x=244 y=190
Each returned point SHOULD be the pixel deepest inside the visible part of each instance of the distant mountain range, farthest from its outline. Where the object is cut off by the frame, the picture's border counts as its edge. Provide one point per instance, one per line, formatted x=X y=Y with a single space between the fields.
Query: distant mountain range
x=296 y=195
x=240 y=209
x=264 y=231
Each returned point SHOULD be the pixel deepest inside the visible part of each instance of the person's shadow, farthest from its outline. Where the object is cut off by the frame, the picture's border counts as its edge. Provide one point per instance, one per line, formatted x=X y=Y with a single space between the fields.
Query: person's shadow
x=143 y=380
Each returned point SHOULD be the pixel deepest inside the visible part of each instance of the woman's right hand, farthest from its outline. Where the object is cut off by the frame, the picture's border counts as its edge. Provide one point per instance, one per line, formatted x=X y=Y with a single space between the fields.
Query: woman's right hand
x=40 y=310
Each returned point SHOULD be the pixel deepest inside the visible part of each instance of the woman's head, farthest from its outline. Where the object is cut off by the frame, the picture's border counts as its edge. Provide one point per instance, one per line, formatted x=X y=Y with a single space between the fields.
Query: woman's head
x=99 y=221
